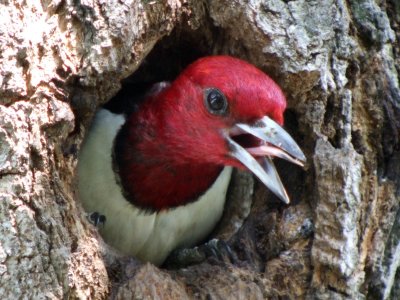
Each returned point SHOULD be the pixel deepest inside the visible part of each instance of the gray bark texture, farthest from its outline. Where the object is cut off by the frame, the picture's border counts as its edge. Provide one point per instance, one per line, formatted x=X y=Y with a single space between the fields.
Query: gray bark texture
x=337 y=62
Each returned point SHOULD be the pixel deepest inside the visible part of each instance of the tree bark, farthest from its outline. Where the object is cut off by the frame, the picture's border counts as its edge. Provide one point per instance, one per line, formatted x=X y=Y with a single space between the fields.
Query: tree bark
x=338 y=63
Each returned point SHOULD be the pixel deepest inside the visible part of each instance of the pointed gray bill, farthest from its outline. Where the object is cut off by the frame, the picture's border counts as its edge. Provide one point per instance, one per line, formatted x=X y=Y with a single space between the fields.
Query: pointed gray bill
x=269 y=131
x=277 y=142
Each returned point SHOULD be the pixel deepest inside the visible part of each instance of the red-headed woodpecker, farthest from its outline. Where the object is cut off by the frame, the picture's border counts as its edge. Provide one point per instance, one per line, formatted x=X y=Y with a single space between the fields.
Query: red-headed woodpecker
x=160 y=174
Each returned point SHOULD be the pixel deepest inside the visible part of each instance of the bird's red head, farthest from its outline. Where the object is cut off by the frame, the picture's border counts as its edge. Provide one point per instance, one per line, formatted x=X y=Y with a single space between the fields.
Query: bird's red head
x=206 y=101
x=250 y=94
x=219 y=111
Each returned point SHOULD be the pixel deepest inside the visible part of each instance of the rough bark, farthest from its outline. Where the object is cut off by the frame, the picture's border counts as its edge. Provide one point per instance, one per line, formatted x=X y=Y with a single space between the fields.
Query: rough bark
x=338 y=64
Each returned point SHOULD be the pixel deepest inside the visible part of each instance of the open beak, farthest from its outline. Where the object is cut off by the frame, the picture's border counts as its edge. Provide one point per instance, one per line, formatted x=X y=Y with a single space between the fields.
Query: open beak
x=272 y=141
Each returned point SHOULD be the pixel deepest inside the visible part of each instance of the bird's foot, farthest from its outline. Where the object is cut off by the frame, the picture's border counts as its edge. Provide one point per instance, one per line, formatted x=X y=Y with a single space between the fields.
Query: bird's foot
x=219 y=249
x=213 y=249
x=97 y=219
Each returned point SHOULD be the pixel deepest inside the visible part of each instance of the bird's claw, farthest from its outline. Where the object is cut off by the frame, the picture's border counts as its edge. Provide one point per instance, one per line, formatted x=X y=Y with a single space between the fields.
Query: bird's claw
x=213 y=249
x=97 y=219
x=220 y=250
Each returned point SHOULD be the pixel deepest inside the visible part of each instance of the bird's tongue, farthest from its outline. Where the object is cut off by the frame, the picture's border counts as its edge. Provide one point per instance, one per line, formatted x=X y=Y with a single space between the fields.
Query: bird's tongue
x=270 y=150
x=272 y=140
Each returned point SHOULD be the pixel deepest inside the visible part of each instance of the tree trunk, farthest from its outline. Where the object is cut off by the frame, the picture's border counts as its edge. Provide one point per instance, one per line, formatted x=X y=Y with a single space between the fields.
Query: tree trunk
x=338 y=64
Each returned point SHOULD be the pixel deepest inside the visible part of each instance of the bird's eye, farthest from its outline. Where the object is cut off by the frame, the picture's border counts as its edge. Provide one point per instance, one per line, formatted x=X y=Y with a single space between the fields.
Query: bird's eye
x=215 y=101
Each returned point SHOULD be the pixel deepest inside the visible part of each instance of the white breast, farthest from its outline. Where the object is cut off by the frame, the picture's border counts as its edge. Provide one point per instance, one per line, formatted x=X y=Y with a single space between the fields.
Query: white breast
x=149 y=237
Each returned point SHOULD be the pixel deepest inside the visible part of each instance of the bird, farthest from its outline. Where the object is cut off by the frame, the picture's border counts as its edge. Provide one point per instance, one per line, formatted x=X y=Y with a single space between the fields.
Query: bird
x=159 y=173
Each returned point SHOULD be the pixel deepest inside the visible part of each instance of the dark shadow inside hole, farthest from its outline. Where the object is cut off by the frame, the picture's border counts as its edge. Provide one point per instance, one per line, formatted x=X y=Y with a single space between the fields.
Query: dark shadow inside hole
x=293 y=177
x=164 y=63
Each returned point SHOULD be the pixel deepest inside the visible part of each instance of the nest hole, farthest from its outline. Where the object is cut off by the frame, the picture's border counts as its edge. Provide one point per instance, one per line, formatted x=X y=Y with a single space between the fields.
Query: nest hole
x=166 y=60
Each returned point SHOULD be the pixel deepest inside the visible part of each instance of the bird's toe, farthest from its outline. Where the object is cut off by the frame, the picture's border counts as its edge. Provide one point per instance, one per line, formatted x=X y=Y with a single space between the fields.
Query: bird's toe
x=219 y=249
x=214 y=249
x=96 y=219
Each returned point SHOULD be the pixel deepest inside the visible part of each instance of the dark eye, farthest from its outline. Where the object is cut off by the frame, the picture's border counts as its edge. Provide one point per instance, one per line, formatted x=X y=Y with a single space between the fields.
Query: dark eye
x=215 y=101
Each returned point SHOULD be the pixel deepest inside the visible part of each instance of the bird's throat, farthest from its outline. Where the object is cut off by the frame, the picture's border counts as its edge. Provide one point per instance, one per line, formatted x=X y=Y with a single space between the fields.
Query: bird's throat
x=151 y=181
x=163 y=186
